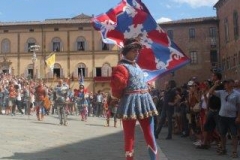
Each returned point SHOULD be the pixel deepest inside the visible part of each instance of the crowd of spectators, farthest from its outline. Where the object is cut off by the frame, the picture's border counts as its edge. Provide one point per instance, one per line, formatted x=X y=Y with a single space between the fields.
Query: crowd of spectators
x=206 y=111
x=19 y=93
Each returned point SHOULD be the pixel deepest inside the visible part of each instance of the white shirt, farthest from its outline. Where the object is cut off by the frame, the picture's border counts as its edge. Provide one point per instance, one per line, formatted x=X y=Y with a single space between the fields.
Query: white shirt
x=204 y=103
x=99 y=98
x=19 y=98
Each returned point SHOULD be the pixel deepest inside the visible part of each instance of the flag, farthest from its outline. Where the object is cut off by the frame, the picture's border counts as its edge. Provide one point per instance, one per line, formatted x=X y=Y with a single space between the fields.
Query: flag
x=131 y=19
x=81 y=78
x=50 y=61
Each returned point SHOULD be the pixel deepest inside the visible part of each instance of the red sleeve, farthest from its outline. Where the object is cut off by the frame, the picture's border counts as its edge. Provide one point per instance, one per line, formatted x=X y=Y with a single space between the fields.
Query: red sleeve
x=119 y=80
x=76 y=92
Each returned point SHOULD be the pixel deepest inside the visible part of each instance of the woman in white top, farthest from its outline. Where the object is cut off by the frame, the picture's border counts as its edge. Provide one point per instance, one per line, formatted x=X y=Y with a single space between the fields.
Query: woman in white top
x=19 y=98
x=204 y=88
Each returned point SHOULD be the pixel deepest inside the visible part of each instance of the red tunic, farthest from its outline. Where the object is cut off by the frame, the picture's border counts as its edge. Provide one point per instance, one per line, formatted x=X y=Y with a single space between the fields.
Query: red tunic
x=12 y=91
x=40 y=93
x=119 y=80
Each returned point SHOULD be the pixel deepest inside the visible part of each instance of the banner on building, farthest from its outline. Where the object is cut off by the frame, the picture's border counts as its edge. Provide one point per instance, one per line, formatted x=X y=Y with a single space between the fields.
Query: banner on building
x=50 y=61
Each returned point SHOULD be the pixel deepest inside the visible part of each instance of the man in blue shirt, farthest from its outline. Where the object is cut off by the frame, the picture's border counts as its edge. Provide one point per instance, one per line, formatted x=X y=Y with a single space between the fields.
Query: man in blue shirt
x=229 y=114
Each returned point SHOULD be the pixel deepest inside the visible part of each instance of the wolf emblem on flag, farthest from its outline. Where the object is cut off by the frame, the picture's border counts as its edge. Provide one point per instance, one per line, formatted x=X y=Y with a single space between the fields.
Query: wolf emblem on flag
x=131 y=18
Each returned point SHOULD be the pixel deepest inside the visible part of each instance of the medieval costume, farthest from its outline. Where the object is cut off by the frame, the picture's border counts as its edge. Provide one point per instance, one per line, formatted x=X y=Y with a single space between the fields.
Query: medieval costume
x=129 y=86
x=82 y=103
x=84 y=108
x=11 y=99
x=79 y=98
x=40 y=94
x=61 y=92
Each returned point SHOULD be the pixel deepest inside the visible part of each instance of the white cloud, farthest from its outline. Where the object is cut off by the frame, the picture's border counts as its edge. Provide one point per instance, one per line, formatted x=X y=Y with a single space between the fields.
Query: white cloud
x=163 y=19
x=168 y=6
x=197 y=3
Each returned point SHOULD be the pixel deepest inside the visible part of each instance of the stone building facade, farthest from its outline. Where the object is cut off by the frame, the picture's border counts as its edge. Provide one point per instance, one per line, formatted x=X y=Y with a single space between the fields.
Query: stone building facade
x=228 y=13
x=78 y=48
x=198 y=39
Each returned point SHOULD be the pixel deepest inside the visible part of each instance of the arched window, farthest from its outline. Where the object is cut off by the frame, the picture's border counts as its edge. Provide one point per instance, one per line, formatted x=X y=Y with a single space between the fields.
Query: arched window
x=30 y=42
x=29 y=71
x=226 y=30
x=81 y=69
x=5 y=46
x=81 y=44
x=235 y=24
x=106 y=70
x=56 y=44
x=58 y=71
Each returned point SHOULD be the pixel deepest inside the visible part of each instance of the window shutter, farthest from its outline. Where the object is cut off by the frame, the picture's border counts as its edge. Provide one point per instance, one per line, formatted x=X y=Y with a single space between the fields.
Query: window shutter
x=50 y=73
x=26 y=47
x=94 y=72
x=76 y=72
x=62 y=73
x=76 y=46
x=51 y=47
x=26 y=73
x=110 y=71
x=61 y=47
x=86 y=46
x=86 y=72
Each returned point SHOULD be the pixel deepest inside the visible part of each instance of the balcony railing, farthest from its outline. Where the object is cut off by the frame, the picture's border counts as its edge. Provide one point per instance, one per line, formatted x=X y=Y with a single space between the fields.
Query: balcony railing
x=102 y=79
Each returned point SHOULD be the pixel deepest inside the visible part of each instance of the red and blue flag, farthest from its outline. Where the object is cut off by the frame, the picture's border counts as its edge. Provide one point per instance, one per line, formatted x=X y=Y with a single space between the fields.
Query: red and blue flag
x=131 y=19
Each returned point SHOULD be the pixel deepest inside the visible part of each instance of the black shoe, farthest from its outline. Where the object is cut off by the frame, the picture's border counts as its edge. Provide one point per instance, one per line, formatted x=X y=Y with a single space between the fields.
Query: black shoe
x=168 y=137
x=156 y=136
x=184 y=135
x=203 y=146
x=229 y=136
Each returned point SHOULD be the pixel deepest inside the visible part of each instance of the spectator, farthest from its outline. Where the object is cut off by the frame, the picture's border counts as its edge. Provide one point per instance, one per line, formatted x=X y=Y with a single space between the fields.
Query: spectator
x=209 y=129
x=170 y=101
x=228 y=117
x=99 y=104
x=184 y=111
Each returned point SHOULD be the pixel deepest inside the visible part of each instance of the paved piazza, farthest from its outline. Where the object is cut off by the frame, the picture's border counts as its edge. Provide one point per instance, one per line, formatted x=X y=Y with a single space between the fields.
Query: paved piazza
x=25 y=138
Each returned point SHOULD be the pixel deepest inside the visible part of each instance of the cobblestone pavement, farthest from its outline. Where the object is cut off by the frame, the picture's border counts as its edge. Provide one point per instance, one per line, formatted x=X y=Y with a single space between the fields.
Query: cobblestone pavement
x=25 y=138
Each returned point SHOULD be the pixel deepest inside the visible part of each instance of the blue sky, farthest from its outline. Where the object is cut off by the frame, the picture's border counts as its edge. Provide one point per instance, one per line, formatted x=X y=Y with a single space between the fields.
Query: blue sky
x=39 y=10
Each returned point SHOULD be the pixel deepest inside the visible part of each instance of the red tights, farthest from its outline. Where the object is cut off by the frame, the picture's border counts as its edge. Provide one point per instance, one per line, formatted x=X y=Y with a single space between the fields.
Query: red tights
x=147 y=126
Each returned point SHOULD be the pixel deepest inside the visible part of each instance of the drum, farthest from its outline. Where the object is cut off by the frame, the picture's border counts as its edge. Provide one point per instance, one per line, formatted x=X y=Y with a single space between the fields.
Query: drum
x=47 y=103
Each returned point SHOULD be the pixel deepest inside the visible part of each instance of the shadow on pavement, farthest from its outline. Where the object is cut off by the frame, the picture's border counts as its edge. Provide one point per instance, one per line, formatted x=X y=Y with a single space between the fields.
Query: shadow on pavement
x=109 y=147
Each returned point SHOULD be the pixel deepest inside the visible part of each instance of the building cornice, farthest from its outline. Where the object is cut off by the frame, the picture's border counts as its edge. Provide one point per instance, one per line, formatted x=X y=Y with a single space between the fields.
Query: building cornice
x=220 y=3
x=81 y=19
x=192 y=21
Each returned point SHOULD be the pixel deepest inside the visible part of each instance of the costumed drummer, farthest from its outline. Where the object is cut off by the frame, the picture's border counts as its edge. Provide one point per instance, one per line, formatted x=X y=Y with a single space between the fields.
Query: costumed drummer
x=40 y=94
x=130 y=87
x=61 y=92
